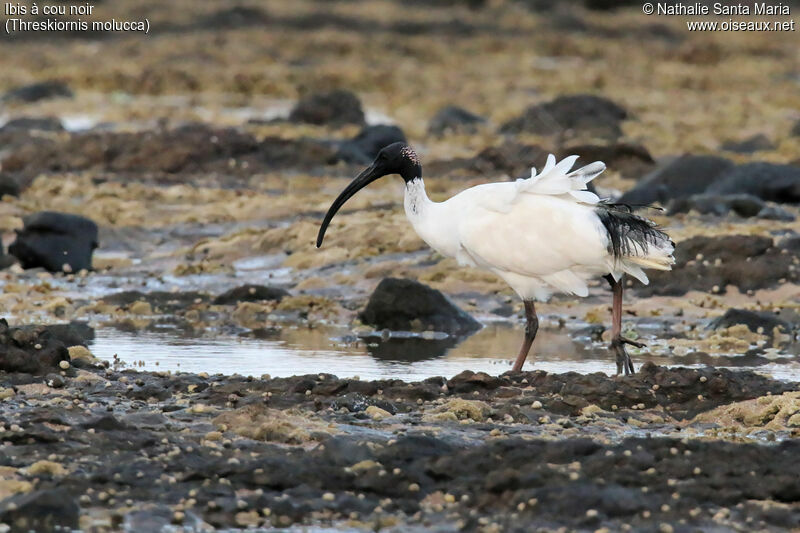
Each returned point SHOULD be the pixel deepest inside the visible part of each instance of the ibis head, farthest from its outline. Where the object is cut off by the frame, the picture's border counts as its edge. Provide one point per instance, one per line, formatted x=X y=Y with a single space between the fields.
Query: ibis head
x=397 y=158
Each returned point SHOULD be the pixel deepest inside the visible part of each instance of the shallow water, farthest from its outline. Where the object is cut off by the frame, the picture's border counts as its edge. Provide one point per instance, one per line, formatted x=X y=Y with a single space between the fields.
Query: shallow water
x=297 y=350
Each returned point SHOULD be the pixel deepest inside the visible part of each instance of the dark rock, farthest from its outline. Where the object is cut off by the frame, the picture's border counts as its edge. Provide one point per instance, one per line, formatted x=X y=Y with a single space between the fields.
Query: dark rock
x=469 y=381
x=570 y=115
x=30 y=349
x=54 y=381
x=795 y=129
x=748 y=262
x=58 y=242
x=333 y=108
x=679 y=178
x=744 y=205
x=503 y=310
x=756 y=143
x=754 y=320
x=9 y=185
x=404 y=304
x=30 y=123
x=250 y=293
x=631 y=160
x=71 y=334
x=38 y=91
x=454 y=119
x=43 y=511
x=364 y=147
x=161 y=301
x=768 y=181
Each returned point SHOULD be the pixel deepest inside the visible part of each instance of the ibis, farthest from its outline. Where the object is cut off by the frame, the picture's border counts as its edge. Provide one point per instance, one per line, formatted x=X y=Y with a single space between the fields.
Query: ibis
x=542 y=235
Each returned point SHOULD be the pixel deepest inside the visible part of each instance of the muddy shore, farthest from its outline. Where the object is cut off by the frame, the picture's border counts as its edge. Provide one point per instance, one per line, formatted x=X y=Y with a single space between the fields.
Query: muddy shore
x=102 y=449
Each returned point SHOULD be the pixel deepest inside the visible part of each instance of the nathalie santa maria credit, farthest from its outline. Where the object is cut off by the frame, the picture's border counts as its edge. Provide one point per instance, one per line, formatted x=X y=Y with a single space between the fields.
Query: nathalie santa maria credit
x=720 y=8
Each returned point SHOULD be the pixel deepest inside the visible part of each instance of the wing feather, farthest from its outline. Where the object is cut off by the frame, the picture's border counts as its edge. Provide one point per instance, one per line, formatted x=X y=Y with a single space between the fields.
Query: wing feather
x=556 y=179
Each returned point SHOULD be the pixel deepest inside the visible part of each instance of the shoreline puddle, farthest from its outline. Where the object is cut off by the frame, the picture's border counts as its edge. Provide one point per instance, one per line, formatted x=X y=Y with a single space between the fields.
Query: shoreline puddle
x=299 y=351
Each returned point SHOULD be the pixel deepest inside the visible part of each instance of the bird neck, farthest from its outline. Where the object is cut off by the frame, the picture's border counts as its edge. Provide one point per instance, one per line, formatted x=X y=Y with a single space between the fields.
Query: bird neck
x=432 y=221
x=416 y=199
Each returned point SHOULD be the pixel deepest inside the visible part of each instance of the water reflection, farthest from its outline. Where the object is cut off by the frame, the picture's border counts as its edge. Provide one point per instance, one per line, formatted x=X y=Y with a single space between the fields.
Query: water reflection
x=408 y=347
x=296 y=350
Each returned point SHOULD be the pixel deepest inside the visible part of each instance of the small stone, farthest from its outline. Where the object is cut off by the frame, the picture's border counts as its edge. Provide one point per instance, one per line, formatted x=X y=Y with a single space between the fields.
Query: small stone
x=413 y=487
x=376 y=413
x=328 y=497
x=63 y=365
x=536 y=405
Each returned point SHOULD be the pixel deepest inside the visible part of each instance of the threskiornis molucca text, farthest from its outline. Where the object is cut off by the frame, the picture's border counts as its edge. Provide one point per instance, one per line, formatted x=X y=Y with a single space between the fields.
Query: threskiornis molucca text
x=543 y=235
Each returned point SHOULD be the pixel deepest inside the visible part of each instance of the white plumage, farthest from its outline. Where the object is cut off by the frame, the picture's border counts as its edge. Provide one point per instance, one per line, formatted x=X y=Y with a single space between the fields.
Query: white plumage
x=541 y=235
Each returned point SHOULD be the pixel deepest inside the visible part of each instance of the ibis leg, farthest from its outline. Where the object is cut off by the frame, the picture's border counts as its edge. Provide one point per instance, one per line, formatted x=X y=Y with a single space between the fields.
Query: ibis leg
x=618 y=342
x=531 y=327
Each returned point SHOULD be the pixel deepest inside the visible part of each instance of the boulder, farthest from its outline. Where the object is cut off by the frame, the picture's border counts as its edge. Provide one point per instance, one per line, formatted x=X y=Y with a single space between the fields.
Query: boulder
x=768 y=181
x=574 y=114
x=364 y=147
x=766 y=322
x=43 y=511
x=9 y=185
x=38 y=91
x=58 y=242
x=454 y=119
x=250 y=293
x=678 y=178
x=333 y=108
x=406 y=305
x=756 y=143
x=30 y=349
x=744 y=205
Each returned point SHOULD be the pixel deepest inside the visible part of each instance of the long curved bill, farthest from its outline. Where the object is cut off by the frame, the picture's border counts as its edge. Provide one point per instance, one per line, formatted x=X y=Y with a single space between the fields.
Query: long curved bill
x=369 y=175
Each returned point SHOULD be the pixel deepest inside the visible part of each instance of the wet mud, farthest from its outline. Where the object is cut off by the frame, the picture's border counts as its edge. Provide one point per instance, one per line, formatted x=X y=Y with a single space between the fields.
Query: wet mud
x=544 y=450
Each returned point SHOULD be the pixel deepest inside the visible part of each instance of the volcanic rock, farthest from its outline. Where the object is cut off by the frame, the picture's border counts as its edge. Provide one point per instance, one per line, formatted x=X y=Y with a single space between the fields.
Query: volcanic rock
x=404 y=304
x=58 y=242
x=333 y=108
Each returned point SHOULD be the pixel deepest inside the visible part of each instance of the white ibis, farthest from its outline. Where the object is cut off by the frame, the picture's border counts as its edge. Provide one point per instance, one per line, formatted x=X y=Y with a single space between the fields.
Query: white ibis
x=543 y=235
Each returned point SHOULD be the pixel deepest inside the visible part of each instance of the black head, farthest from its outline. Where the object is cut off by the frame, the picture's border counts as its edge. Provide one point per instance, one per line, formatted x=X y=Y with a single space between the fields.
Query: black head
x=397 y=158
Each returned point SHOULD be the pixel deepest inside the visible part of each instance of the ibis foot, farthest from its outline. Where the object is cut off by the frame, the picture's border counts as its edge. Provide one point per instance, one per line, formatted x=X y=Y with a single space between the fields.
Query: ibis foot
x=624 y=362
